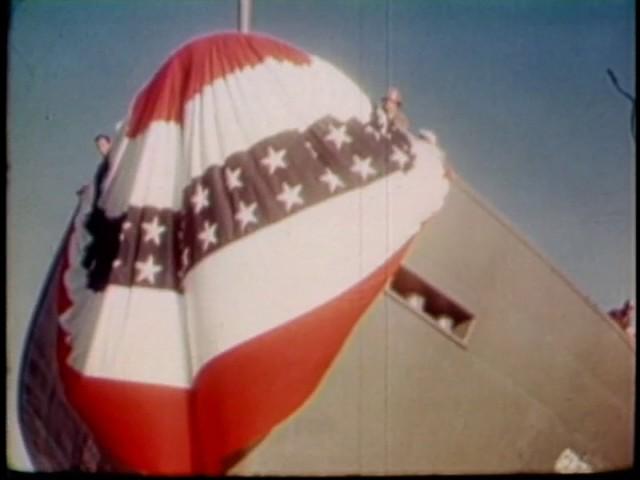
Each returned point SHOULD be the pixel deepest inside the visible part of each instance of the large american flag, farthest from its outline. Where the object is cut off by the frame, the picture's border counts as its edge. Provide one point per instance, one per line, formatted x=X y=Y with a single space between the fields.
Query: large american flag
x=256 y=203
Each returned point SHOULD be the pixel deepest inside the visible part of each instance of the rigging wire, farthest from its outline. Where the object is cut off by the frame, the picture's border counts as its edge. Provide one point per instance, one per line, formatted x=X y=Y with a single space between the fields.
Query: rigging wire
x=628 y=96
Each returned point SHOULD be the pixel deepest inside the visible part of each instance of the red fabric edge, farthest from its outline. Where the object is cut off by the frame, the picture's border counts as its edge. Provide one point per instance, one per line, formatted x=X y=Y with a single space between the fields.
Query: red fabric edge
x=197 y=64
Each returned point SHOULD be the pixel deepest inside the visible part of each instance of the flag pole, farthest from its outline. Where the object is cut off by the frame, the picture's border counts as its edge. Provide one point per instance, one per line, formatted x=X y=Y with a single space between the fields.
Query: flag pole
x=244 y=15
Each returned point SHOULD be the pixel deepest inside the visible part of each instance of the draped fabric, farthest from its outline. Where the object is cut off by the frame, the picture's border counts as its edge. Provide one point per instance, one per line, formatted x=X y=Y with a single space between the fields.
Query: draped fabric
x=256 y=204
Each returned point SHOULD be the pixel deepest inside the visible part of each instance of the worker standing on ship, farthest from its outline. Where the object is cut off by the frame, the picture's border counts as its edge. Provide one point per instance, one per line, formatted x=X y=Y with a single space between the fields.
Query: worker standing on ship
x=623 y=318
x=392 y=106
x=103 y=144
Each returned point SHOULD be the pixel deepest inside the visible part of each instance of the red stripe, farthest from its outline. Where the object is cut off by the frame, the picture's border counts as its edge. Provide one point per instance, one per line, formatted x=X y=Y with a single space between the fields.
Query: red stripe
x=63 y=300
x=241 y=395
x=236 y=400
x=198 y=64
x=138 y=427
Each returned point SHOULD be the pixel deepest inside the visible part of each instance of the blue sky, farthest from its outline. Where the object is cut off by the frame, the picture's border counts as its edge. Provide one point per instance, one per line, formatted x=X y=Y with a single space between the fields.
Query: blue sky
x=515 y=89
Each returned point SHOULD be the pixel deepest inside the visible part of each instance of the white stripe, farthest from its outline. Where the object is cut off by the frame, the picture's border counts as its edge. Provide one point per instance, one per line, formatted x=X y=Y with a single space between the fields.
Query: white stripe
x=131 y=334
x=122 y=333
x=148 y=170
x=240 y=109
x=258 y=282
x=226 y=117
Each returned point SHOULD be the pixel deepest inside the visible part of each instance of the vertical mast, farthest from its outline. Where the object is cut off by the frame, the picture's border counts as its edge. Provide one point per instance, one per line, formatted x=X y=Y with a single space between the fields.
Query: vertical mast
x=244 y=15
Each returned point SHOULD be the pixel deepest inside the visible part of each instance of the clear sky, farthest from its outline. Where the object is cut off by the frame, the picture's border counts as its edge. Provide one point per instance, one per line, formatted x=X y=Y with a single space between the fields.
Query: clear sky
x=515 y=89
